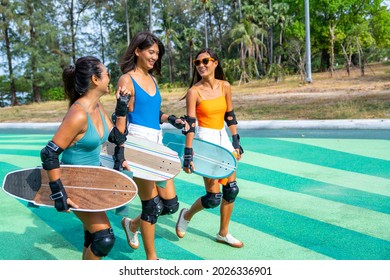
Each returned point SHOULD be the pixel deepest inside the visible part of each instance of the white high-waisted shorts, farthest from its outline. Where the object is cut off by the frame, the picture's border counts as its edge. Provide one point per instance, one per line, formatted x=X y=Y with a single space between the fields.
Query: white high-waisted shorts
x=150 y=134
x=215 y=136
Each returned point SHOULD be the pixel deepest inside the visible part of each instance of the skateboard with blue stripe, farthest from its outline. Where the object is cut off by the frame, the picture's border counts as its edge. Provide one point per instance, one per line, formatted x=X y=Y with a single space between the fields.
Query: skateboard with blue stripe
x=147 y=160
x=210 y=160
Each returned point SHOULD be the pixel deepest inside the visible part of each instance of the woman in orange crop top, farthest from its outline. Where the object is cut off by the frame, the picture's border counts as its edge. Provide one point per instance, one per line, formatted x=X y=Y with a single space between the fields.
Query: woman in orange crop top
x=209 y=102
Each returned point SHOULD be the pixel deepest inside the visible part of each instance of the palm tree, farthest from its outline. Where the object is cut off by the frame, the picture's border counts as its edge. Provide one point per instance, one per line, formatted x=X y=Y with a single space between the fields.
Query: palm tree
x=150 y=15
x=205 y=22
x=282 y=19
x=246 y=36
x=191 y=36
x=127 y=23
x=170 y=35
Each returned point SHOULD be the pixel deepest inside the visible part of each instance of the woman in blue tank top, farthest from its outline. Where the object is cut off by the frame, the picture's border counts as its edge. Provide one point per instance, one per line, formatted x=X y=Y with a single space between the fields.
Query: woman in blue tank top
x=80 y=136
x=142 y=59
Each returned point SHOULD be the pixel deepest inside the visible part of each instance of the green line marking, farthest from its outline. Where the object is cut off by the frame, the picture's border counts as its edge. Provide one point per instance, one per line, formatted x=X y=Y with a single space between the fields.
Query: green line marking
x=321 y=237
x=339 y=214
x=350 y=217
x=320 y=156
x=200 y=239
x=334 y=176
x=379 y=149
x=24 y=236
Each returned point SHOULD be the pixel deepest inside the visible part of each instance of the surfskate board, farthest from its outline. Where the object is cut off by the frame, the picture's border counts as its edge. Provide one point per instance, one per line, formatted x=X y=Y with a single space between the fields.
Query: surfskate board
x=92 y=188
x=210 y=160
x=148 y=160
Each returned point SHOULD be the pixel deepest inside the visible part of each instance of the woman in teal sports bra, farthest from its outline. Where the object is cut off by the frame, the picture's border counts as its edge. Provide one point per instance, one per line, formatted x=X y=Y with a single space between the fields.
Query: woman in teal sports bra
x=80 y=136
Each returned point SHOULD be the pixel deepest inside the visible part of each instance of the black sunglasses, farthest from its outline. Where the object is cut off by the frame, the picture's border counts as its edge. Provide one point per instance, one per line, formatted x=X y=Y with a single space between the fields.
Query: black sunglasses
x=205 y=61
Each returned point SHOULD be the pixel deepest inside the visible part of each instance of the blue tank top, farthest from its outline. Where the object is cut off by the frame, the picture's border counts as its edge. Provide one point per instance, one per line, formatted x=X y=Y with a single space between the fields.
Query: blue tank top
x=146 y=108
x=87 y=150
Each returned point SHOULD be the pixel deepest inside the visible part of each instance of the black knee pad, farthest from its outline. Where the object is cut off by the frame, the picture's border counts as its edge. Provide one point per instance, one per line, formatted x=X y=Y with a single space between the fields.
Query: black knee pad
x=102 y=242
x=170 y=206
x=151 y=209
x=211 y=200
x=230 y=191
x=87 y=238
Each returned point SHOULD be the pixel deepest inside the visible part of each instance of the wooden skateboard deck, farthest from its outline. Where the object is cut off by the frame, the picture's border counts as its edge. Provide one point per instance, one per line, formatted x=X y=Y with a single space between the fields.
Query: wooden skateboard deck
x=147 y=160
x=92 y=188
x=210 y=160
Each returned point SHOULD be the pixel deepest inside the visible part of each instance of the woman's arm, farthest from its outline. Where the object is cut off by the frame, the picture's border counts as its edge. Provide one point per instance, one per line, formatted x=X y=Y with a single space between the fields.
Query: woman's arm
x=191 y=101
x=231 y=121
x=119 y=132
x=70 y=130
x=126 y=83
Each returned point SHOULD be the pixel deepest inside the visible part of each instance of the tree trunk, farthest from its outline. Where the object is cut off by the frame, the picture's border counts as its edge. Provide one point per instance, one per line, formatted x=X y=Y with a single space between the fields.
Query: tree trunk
x=205 y=26
x=361 y=58
x=262 y=68
x=150 y=16
x=261 y=65
x=35 y=87
x=219 y=30
x=73 y=33
x=255 y=63
x=170 y=59
x=348 y=60
x=127 y=24
x=256 y=70
x=271 y=48
x=244 y=75
x=280 y=44
x=324 y=60
x=14 y=100
x=270 y=39
x=302 y=71
x=190 y=44
x=102 y=46
x=331 y=67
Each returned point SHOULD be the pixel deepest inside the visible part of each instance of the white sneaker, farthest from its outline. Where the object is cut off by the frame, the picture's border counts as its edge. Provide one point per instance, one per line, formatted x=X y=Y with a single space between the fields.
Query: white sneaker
x=229 y=240
x=182 y=224
x=132 y=237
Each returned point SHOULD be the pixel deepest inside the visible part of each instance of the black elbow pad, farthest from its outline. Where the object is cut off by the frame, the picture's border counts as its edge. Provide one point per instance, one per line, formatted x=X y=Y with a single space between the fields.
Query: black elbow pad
x=230 y=118
x=191 y=121
x=117 y=137
x=49 y=156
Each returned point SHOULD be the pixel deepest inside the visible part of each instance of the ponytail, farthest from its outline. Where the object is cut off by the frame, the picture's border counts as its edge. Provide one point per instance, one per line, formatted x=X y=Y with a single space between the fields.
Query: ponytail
x=68 y=77
x=77 y=78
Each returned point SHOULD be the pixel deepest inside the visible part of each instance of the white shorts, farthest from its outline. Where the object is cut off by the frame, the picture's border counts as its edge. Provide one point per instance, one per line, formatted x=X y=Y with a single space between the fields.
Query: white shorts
x=215 y=136
x=144 y=132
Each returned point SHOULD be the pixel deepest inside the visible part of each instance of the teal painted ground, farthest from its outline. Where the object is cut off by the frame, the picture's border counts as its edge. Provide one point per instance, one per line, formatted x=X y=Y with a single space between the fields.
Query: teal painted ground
x=300 y=199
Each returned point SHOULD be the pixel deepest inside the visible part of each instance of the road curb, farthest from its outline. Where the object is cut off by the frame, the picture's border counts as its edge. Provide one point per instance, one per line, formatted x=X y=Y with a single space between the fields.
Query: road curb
x=257 y=124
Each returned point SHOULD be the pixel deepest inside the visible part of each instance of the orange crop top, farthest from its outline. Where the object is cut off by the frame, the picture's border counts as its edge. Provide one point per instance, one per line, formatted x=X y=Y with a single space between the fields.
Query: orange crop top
x=210 y=112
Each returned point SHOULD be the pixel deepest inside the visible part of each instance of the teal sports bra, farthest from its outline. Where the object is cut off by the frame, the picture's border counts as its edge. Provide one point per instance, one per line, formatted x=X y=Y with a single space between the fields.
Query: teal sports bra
x=87 y=150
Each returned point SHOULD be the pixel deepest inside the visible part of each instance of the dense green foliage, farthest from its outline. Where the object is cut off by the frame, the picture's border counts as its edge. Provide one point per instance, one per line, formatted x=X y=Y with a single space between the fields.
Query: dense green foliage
x=255 y=39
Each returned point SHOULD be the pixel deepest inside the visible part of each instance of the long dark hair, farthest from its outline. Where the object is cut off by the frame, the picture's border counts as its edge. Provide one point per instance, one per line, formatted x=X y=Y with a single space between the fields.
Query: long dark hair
x=77 y=78
x=142 y=40
x=218 y=73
